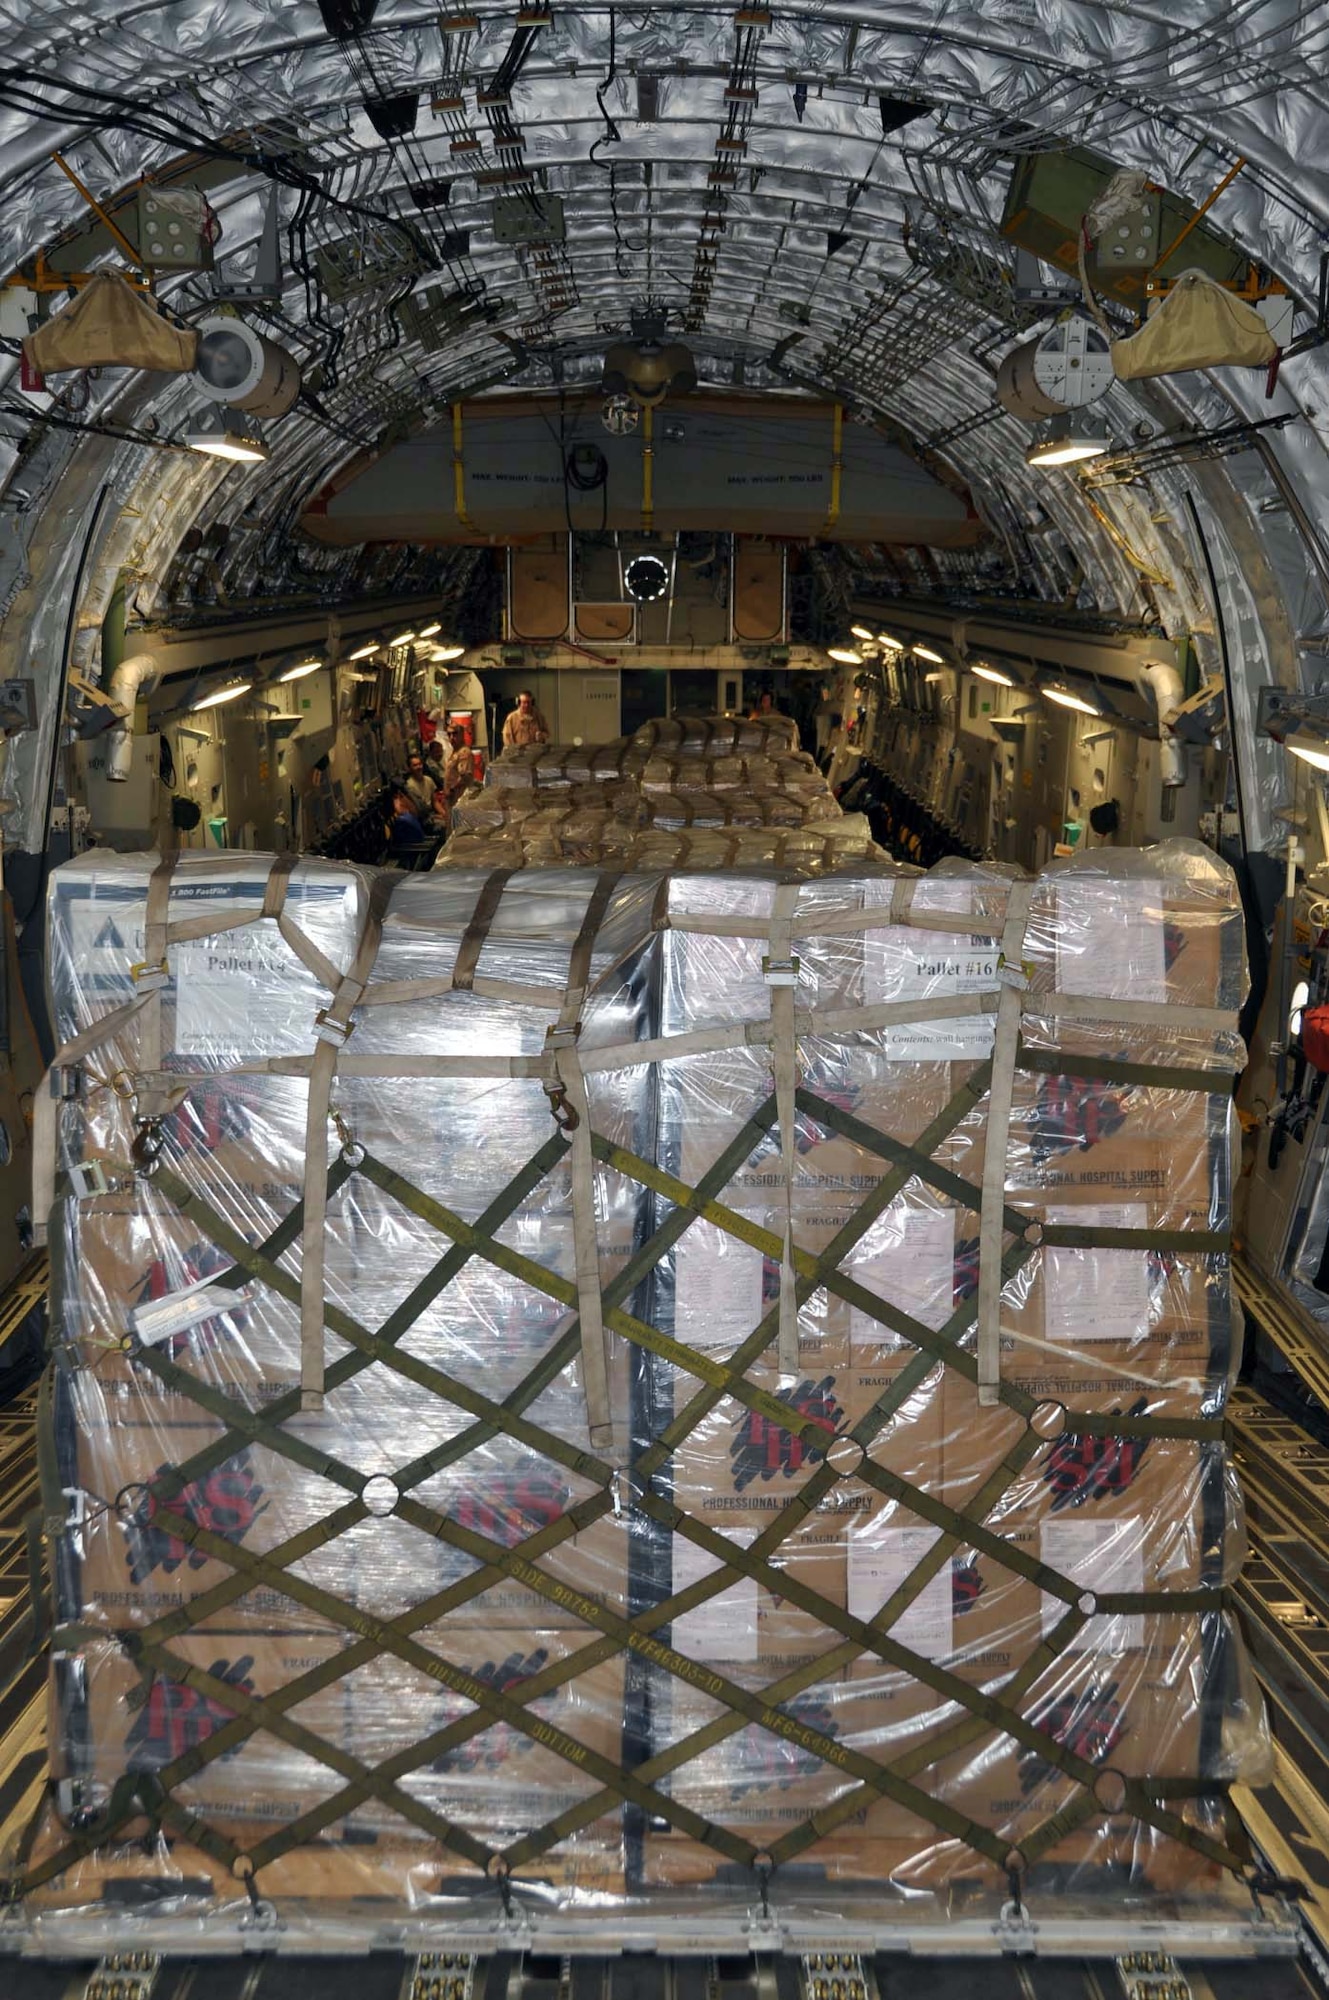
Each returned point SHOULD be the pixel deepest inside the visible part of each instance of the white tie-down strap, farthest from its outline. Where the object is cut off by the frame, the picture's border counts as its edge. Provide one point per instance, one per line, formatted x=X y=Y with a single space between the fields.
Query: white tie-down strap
x=1005 y=1048
x=332 y=1026
x=781 y=972
x=565 y=1086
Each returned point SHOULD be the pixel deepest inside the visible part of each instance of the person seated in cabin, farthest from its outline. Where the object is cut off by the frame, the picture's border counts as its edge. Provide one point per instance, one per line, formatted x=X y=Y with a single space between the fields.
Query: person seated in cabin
x=525 y=724
x=420 y=787
x=405 y=828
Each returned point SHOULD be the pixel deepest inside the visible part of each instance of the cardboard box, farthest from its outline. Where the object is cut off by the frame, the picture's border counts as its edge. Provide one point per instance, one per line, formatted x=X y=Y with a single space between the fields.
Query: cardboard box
x=131 y=1570
x=499 y=1785
x=1121 y=1516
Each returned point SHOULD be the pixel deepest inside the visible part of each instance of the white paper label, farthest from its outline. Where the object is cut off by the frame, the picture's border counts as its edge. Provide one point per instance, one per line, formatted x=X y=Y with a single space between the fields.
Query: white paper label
x=1096 y=1294
x=1103 y=1556
x=907 y=1258
x=725 y=1627
x=903 y=963
x=879 y=1564
x=1110 y=940
x=717 y=1288
x=240 y=990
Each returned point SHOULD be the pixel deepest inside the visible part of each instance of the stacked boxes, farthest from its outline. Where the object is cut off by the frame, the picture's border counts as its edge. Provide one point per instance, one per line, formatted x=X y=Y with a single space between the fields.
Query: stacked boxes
x=975 y=1538
x=237 y=1143
x=1141 y=1332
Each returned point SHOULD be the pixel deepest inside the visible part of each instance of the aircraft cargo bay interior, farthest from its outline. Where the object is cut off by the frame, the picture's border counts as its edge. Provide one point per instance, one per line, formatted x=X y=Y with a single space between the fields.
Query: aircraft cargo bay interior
x=664 y=1005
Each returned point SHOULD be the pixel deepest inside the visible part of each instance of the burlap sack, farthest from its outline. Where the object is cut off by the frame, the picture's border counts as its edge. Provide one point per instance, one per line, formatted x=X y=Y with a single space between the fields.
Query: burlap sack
x=110 y=325
x=1198 y=325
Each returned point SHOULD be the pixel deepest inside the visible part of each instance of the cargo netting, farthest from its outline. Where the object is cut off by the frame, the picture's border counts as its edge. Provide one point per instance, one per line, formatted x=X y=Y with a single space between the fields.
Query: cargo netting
x=610 y=1383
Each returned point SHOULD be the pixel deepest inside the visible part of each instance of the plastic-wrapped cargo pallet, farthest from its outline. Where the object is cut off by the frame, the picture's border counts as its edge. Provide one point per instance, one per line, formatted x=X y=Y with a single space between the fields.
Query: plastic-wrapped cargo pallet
x=632 y=1382
x=688 y=792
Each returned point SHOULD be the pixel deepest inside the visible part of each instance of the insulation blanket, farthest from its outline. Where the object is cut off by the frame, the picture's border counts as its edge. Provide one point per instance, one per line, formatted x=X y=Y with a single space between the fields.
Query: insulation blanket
x=564 y=1431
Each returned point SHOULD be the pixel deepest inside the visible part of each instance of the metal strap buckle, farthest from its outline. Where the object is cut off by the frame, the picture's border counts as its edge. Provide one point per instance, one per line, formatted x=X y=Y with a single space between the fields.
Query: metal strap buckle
x=149 y=977
x=1016 y=976
x=328 y=1030
x=88 y=1179
x=562 y=1035
x=780 y=971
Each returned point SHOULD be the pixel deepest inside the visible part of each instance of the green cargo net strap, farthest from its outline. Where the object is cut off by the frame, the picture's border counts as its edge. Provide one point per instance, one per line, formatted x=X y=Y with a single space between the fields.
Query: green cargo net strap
x=1110 y=1069
x=1001 y=1097
x=1004 y=1553
x=477 y=930
x=994 y=1711
x=332 y=1026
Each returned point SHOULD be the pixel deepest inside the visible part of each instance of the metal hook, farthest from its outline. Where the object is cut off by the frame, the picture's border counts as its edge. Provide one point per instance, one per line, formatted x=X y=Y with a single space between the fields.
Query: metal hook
x=566 y=1116
x=149 y=1141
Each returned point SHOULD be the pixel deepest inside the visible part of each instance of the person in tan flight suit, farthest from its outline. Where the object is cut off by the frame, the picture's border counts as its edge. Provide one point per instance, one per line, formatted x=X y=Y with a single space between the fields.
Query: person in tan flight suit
x=525 y=724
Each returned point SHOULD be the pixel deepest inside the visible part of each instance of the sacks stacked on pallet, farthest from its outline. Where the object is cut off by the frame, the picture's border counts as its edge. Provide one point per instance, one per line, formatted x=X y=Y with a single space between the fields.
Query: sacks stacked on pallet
x=686 y=792
x=424 y=1095
x=843 y=1612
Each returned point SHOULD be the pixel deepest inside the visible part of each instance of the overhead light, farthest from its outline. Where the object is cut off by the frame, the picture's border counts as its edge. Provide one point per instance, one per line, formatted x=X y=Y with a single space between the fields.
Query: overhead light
x=402 y=639
x=441 y=653
x=428 y=631
x=845 y=654
x=219 y=695
x=1066 y=438
x=993 y=674
x=363 y=652
x=885 y=639
x=235 y=438
x=1310 y=750
x=930 y=678
x=1063 y=697
x=645 y=579
x=863 y=632
x=926 y=653
x=298 y=673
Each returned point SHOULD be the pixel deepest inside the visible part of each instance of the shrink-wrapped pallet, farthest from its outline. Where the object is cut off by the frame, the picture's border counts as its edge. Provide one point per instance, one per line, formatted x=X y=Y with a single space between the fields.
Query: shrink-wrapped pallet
x=717 y=735
x=643 y=1380
x=1118 y=1063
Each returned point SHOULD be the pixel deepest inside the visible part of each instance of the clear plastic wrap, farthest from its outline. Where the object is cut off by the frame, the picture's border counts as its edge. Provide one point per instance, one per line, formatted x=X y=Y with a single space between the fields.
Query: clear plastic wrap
x=717 y=735
x=771 y=771
x=805 y=1601
x=538 y=765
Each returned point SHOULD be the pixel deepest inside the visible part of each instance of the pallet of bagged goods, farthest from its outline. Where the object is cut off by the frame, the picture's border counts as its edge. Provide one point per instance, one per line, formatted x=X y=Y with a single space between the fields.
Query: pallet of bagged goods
x=641 y=1381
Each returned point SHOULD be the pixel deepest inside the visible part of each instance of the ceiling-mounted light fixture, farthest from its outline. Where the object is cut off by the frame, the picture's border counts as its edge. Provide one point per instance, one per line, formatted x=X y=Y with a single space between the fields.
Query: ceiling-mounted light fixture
x=1066 y=439
x=862 y=632
x=931 y=678
x=926 y=653
x=649 y=367
x=993 y=674
x=885 y=639
x=363 y=652
x=235 y=438
x=1310 y=750
x=428 y=631
x=845 y=655
x=441 y=653
x=645 y=579
x=219 y=695
x=1064 y=698
x=298 y=672
x=402 y=639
